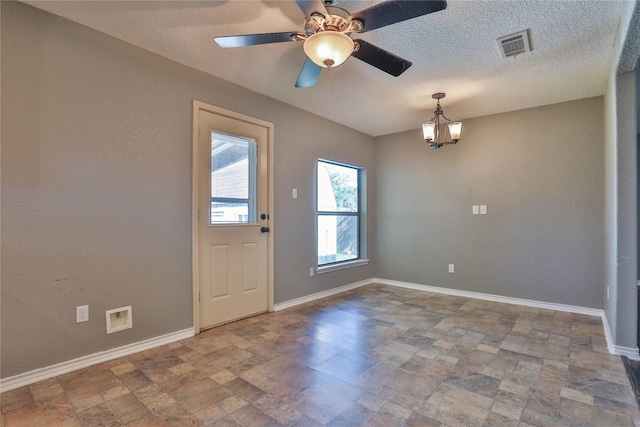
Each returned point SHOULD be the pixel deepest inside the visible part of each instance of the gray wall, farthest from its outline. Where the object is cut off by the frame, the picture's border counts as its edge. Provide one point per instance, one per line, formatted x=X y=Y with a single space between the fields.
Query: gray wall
x=540 y=172
x=622 y=218
x=621 y=169
x=96 y=196
x=96 y=188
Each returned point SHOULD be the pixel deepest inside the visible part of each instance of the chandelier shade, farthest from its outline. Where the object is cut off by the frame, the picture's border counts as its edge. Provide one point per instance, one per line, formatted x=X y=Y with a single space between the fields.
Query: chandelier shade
x=455 y=130
x=429 y=130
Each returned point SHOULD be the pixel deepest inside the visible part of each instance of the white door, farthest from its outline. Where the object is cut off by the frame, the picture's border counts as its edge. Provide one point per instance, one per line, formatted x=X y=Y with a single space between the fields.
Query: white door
x=233 y=218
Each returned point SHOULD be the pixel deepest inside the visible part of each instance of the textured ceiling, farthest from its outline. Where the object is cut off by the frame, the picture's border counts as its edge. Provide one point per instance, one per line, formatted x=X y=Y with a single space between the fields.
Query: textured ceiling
x=452 y=51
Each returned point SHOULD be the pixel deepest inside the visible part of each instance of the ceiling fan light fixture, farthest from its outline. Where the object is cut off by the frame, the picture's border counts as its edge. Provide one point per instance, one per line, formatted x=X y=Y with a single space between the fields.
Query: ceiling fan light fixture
x=328 y=49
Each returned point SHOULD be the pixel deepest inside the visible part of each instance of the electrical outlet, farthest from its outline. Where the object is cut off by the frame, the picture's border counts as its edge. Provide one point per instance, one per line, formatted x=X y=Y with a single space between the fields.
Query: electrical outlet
x=475 y=210
x=451 y=268
x=312 y=271
x=82 y=313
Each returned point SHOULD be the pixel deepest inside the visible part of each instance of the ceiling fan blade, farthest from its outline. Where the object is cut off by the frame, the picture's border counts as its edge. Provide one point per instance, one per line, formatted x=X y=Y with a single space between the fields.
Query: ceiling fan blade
x=254 y=39
x=380 y=58
x=310 y=6
x=392 y=11
x=309 y=74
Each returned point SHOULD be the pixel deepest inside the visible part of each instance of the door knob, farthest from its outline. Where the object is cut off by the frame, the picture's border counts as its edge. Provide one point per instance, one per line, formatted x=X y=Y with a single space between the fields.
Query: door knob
x=264 y=216
x=264 y=229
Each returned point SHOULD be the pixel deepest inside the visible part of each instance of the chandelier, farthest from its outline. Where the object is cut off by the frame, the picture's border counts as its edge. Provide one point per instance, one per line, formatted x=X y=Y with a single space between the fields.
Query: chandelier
x=432 y=132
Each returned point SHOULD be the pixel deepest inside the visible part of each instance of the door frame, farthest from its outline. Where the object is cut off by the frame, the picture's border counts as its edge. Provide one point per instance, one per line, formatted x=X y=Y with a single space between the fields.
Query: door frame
x=202 y=106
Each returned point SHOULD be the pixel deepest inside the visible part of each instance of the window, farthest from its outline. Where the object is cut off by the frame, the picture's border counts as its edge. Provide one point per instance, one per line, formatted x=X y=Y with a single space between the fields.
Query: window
x=338 y=212
x=233 y=179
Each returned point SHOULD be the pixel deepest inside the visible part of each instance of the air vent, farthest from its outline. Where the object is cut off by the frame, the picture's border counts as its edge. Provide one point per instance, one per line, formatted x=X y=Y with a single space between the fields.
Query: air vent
x=514 y=44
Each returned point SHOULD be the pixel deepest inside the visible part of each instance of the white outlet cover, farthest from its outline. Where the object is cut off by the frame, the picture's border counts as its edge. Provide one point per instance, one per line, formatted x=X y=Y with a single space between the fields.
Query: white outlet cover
x=475 y=210
x=451 y=268
x=82 y=313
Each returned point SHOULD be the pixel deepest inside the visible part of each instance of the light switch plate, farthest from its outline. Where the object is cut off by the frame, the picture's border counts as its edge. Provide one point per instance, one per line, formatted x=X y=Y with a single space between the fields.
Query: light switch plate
x=483 y=209
x=294 y=193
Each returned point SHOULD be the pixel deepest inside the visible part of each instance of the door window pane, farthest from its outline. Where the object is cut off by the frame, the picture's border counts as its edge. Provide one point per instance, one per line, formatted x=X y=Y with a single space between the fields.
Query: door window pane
x=233 y=179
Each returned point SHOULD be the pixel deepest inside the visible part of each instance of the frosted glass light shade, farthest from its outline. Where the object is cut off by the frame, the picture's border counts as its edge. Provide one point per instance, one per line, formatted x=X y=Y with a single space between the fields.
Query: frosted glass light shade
x=328 y=48
x=429 y=130
x=455 y=129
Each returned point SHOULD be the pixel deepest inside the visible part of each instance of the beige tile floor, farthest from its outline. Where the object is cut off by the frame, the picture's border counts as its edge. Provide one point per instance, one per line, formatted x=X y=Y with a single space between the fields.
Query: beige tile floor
x=375 y=356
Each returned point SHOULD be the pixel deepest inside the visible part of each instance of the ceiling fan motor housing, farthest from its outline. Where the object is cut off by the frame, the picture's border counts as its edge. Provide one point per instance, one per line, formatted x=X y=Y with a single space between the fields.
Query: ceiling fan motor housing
x=318 y=22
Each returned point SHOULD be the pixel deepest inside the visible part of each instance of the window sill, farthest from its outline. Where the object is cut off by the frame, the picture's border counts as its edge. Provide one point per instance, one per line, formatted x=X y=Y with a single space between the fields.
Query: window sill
x=342 y=266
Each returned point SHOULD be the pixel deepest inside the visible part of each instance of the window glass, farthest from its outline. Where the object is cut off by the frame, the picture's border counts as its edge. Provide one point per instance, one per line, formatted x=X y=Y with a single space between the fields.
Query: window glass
x=338 y=216
x=233 y=176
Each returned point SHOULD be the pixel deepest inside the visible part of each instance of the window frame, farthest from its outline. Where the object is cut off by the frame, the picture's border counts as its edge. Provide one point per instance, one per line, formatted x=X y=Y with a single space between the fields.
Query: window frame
x=358 y=214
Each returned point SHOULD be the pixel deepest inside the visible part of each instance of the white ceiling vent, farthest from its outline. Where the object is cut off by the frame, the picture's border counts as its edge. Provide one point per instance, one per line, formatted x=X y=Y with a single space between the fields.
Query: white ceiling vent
x=514 y=44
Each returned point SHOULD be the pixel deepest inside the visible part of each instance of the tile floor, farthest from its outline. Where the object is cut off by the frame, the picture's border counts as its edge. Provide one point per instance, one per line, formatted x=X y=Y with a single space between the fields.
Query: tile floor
x=374 y=356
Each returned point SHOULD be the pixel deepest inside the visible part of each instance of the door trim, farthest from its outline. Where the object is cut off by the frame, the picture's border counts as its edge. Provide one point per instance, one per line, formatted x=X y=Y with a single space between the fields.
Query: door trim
x=202 y=106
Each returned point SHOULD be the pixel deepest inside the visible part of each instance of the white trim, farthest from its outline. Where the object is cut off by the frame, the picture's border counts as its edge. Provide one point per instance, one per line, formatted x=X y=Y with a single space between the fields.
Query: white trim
x=342 y=266
x=40 y=374
x=496 y=298
x=36 y=375
x=195 y=268
x=323 y=294
x=631 y=353
x=611 y=347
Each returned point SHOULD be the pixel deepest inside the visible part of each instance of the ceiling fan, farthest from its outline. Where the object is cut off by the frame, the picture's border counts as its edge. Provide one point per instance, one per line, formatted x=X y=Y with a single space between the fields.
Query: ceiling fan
x=327 y=29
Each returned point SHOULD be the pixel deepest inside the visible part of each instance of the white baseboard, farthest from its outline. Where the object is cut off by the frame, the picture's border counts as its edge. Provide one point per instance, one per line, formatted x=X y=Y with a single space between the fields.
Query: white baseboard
x=611 y=347
x=631 y=353
x=40 y=374
x=496 y=298
x=31 y=377
x=323 y=294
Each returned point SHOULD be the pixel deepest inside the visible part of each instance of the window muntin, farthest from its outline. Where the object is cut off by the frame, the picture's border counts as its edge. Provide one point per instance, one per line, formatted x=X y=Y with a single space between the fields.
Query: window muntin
x=338 y=212
x=233 y=179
